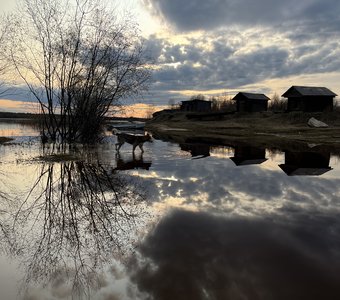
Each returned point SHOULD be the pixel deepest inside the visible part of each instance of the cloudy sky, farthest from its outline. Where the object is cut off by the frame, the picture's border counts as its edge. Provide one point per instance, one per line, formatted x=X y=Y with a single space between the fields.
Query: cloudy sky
x=225 y=46
x=229 y=45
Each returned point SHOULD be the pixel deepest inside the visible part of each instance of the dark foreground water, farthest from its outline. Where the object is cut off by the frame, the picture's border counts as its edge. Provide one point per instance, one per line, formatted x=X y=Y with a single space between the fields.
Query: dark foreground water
x=188 y=221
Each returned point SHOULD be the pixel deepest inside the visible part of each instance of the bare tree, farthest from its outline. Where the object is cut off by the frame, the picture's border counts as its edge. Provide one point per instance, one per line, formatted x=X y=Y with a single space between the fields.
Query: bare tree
x=198 y=97
x=4 y=63
x=277 y=104
x=78 y=59
x=223 y=103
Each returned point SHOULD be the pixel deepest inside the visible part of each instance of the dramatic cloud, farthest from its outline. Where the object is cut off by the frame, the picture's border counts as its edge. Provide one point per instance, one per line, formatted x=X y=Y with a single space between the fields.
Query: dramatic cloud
x=231 y=45
x=206 y=15
x=230 y=59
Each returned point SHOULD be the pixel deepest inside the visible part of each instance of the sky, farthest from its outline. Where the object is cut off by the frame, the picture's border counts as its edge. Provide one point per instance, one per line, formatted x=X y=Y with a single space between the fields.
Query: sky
x=220 y=47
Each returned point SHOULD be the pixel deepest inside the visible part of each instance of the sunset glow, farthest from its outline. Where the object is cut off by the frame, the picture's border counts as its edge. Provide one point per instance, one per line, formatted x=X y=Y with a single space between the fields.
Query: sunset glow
x=215 y=49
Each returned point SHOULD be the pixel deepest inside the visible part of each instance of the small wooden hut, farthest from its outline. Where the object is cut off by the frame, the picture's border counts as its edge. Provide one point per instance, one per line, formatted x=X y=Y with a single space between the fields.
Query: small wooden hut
x=196 y=105
x=250 y=102
x=309 y=99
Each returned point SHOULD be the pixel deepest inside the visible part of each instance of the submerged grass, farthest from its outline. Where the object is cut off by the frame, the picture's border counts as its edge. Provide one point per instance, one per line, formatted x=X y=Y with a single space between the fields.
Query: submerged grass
x=62 y=157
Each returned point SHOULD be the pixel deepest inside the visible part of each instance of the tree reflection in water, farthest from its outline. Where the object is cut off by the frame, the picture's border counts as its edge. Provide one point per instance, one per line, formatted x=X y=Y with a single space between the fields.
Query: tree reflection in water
x=77 y=216
x=7 y=238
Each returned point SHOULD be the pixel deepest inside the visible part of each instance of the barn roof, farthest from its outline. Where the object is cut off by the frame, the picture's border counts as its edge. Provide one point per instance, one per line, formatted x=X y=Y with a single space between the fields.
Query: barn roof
x=251 y=96
x=239 y=161
x=298 y=91
x=296 y=170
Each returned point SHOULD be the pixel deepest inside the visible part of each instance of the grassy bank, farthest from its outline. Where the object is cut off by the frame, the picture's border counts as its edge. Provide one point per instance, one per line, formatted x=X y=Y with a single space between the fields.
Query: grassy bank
x=263 y=129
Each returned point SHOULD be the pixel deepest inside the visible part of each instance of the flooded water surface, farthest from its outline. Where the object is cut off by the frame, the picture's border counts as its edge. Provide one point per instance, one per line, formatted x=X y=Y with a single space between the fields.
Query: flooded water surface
x=187 y=220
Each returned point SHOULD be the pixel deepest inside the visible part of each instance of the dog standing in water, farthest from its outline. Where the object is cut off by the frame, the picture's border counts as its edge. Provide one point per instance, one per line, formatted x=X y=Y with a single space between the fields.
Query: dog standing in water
x=134 y=140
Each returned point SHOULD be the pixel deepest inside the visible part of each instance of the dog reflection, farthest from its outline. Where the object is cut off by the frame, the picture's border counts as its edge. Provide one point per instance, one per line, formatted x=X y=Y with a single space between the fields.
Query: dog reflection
x=135 y=162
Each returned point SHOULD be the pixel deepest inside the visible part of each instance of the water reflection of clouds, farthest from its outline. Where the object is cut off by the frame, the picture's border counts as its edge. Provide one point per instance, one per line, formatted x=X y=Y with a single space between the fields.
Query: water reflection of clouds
x=299 y=206
x=201 y=256
x=219 y=184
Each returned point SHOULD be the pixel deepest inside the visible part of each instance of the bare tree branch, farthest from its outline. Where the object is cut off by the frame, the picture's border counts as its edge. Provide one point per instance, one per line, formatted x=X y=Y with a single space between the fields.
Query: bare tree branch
x=78 y=61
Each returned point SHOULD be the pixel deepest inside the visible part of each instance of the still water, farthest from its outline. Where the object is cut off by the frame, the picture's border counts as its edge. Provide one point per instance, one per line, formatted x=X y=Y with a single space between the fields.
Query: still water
x=181 y=221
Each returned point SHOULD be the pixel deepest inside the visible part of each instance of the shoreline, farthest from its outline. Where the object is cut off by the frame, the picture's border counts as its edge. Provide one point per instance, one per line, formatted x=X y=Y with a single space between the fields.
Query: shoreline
x=262 y=129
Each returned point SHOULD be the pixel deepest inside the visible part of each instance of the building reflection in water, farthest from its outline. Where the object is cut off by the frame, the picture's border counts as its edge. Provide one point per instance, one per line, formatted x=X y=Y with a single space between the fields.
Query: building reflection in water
x=196 y=150
x=248 y=155
x=313 y=163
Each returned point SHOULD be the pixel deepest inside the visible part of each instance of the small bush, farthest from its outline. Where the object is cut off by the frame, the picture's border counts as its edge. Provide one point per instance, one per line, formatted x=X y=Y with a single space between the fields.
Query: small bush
x=277 y=104
x=336 y=105
x=222 y=104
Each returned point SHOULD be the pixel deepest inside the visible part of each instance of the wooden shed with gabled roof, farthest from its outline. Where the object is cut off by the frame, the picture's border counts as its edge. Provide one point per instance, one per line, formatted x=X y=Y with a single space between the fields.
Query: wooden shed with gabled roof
x=196 y=105
x=250 y=102
x=309 y=99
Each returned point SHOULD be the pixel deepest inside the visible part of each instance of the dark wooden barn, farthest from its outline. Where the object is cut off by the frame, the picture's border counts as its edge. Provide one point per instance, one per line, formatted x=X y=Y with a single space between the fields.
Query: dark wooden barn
x=250 y=102
x=196 y=105
x=309 y=99
x=248 y=155
x=306 y=163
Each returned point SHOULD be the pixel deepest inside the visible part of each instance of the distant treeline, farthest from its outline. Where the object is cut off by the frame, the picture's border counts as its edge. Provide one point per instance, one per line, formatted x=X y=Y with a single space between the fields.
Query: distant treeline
x=13 y=115
x=130 y=119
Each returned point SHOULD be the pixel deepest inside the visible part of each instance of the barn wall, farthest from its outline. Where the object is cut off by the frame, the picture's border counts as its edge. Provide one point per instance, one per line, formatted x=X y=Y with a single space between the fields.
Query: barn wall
x=295 y=104
x=202 y=107
x=318 y=104
x=257 y=106
x=243 y=105
x=196 y=106
x=310 y=104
